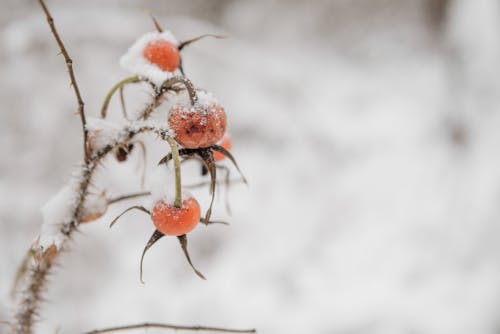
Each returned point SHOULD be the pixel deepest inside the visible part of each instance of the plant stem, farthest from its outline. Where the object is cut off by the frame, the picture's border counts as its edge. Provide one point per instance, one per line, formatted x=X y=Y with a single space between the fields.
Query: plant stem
x=112 y=91
x=177 y=167
x=69 y=65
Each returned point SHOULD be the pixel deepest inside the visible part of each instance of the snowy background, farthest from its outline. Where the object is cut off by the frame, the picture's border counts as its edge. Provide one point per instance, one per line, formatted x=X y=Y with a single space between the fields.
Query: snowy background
x=368 y=130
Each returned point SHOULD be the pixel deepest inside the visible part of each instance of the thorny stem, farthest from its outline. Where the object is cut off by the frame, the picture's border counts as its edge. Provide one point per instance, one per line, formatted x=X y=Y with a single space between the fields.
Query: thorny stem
x=69 y=65
x=31 y=295
x=170 y=326
x=177 y=168
x=112 y=91
x=21 y=271
x=151 y=106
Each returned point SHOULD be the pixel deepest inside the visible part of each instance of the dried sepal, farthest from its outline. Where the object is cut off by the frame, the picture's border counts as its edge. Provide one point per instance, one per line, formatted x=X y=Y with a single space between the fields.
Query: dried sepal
x=231 y=157
x=183 y=44
x=157 y=235
x=43 y=256
x=94 y=207
x=183 y=242
x=208 y=159
x=135 y=207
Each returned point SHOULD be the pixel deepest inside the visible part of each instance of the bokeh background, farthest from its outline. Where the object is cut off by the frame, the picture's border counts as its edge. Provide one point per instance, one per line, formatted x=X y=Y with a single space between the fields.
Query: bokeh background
x=368 y=130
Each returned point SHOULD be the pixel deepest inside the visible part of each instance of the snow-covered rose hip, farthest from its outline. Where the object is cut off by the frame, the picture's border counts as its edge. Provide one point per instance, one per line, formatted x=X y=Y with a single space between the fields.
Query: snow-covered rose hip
x=162 y=53
x=154 y=57
x=197 y=126
x=171 y=220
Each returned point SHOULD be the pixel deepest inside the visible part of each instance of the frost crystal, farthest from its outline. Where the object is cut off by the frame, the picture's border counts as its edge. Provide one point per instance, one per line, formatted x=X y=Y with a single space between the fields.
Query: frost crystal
x=134 y=61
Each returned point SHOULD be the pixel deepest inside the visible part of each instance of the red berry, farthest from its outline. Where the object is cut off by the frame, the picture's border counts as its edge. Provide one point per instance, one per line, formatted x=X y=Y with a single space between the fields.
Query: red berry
x=162 y=53
x=226 y=143
x=197 y=127
x=171 y=220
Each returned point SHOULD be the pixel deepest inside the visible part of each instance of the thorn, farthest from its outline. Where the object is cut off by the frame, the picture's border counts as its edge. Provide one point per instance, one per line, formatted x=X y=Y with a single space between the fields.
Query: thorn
x=155 y=22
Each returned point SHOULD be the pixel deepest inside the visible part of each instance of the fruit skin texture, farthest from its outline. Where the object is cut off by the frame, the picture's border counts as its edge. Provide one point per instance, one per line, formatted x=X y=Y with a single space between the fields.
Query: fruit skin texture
x=226 y=143
x=170 y=220
x=199 y=127
x=163 y=54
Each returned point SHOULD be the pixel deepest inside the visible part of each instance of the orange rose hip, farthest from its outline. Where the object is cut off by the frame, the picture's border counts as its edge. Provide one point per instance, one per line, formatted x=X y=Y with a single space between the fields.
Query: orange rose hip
x=197 y=127
x=162 y=53
x=171 y=220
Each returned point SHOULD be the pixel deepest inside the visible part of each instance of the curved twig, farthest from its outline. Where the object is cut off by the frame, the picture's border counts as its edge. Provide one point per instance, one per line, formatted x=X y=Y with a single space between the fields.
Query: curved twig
x=122 y=102
x=170 y=326
x=186 y=82
x=128 y=196
x=135 y=207
x=112 y=91
x=170 y=85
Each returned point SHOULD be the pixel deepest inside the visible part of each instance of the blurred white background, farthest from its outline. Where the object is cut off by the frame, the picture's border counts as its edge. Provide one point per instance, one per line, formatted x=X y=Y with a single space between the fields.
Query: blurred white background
x=368 y=130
